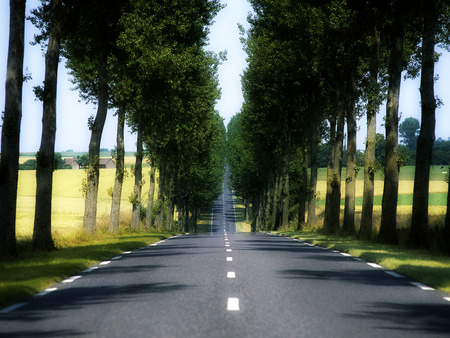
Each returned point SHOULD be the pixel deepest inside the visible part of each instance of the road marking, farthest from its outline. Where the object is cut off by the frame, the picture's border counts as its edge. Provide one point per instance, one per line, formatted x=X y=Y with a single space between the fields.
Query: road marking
x=45 y=292
x=126 y=252
x=227 y=244
x=233 y=304
x=229 y=259
x=229 y=250
x=12 y=307
x=373 y=265
x=422 y=286
x=358 y=259
x=105 y=263
x=231 y=274
x=71 y=279
x=447 y=299
x=116 y=258
x=345 y=254
x=394 y=274
x=90 y=269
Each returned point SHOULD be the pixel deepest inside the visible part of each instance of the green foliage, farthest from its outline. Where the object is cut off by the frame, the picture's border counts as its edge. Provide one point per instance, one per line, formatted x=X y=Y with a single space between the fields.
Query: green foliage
x=409 y=132
x=28 y=165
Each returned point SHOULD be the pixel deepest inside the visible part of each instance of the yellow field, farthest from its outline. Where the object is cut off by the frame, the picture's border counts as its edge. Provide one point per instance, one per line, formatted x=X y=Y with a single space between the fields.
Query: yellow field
x=68 y=202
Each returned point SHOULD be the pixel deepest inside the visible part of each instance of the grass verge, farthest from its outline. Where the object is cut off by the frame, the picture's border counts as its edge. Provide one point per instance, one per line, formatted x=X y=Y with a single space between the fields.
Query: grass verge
x=419 y=265
x=35 y=271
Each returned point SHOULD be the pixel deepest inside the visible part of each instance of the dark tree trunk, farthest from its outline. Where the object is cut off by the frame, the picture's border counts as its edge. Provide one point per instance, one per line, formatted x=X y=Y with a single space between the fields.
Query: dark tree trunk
x=42 y=232
x=90 y=209
x=333 y=200
x=304 y=189
x=276 y=197
x=312 y=183
x=388 y=227
x=136 y=213
x=285 y=193
x=9 y=161
x=447 y=222
x=419 y=221
x=161 y=194
x=120 y=167
x=369 y=155
x=350 y=177
x=151 y=196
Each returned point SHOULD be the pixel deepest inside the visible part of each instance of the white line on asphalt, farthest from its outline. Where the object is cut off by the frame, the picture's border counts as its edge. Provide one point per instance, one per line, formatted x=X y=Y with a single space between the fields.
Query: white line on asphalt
x=227 y=244
x=90 y=269
x=447 y=299
x=229 y=250
x=116 y=258
x=233 y=304
x=12 y=307
x=394 y=274
x=231 y=274
x=105 y=263
x=358 y=259
x=229 y=259
x=373 y=265
x=422 y=286
x=345 y=254
x=45 y=292
x=126 y=252
x=71 y=279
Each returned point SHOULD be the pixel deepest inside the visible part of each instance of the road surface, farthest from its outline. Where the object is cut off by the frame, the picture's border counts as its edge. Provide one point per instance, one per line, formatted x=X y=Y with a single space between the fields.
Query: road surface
x=228 y=284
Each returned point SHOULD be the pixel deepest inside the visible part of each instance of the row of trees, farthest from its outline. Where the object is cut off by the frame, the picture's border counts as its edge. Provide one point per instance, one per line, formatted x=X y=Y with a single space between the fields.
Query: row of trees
x=313 y=68
x=146 y=59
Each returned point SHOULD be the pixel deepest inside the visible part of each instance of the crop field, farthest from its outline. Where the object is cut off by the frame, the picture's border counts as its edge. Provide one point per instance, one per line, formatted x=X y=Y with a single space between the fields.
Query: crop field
x=68 y=201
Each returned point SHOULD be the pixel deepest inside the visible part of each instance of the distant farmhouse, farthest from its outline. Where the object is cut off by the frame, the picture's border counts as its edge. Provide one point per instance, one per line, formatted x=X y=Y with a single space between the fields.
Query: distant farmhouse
x=105 y=163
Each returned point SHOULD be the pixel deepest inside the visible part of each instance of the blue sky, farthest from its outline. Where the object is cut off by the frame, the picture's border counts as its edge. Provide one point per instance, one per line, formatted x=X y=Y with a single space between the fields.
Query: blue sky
x=72 y=130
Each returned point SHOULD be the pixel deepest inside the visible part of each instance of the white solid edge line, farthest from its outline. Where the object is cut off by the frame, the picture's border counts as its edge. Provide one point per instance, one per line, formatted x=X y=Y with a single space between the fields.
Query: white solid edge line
x=231 y=274
x=12 y=307
x=233 y=304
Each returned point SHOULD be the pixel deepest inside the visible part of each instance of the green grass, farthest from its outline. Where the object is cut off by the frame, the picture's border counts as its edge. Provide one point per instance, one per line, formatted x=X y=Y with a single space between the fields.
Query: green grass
x=419 y=265
x=35 y=271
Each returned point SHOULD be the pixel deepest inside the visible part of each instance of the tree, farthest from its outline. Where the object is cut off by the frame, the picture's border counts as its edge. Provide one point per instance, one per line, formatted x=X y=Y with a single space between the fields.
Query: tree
x=42 y=235
x=408 y=131
x=419 y=221
x=9 y=161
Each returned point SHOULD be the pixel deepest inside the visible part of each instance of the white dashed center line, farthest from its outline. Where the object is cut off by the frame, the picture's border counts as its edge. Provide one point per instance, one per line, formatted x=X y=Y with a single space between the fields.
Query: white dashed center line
x=229 y=250
x=231 y=274
x=229 y=259
x=233 y=304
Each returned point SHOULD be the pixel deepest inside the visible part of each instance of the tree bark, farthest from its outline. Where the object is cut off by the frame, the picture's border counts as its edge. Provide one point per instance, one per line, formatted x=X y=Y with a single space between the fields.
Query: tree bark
x=42 y=232
x=276 y=197
x=160 y=217
x=312 y=196
x=388 y=227
x=447 y=222
x=93 y=174
x=285 y=193
x=114 y=219
x=419 y=221
x=333 y=201
x=136 y=213
x=151 y=197
x=350 y=177
x=9 y=160
x=304 y=189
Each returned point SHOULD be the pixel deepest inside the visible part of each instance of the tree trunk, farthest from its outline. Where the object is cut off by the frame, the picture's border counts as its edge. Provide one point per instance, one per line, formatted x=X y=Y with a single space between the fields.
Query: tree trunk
x=136 y=213
x=350 y=177
x=90 y=209
x=42 y=232
x=160 y=217
x=9 y=160
x=276 y=194
x=419 y=221
x=333 y=201
x=312 y=183
x=151 y=196
x=285 y=193
x=247 y=210
x=369 y=155
x=303 y=190
x=447 y=222
x=120 y=167
x=388 y=227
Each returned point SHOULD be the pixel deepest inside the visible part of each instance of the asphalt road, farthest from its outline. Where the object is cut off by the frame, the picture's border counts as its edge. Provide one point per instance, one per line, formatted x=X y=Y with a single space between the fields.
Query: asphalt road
x=228 y=284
